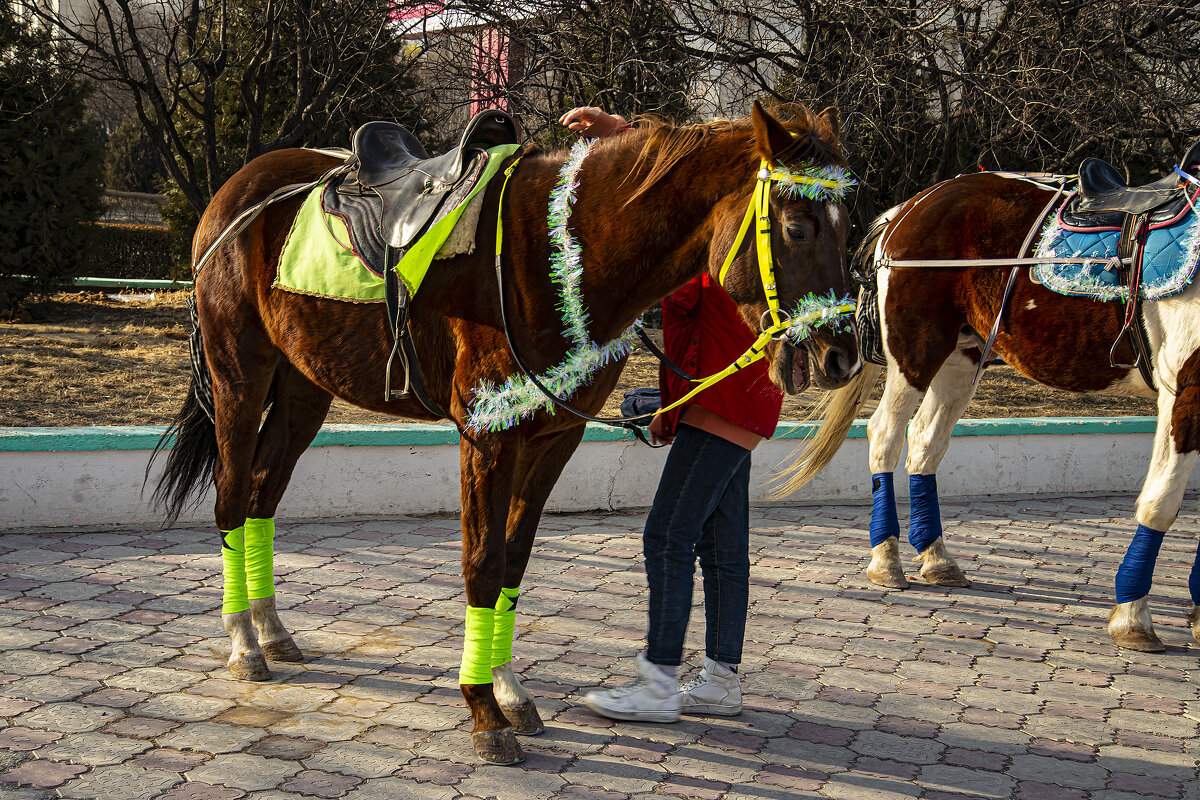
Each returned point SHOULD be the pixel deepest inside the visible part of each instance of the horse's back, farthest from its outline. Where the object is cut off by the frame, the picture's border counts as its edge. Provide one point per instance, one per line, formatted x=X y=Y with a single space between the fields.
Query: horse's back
x=253 y=182
x=977 y=215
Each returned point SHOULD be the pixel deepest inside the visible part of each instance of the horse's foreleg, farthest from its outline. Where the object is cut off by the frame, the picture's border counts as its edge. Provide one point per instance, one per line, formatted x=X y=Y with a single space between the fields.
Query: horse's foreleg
x=540 y=464
x=488 y=465
x=928 y=439
x=291 y=425
x=885 y=432
x=1176 y=442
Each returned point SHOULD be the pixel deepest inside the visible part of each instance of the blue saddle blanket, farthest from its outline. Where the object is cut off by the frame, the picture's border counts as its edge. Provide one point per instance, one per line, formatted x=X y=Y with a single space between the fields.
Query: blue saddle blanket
x=1170 y=260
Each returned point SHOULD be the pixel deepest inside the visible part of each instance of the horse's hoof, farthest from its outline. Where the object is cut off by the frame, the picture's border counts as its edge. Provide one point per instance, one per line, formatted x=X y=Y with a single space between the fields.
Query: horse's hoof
x=944 y=575
x=497 y=747
x=1139 y=639
x=1133 y=634
x=885 y=568
x=250 y=668
x=282 y=650
x=891 y=576
x=1194 y=622
x=524 y=719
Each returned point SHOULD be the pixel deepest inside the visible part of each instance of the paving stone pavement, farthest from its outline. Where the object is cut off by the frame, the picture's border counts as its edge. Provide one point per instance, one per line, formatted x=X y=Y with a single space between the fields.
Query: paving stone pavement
x=112 y=678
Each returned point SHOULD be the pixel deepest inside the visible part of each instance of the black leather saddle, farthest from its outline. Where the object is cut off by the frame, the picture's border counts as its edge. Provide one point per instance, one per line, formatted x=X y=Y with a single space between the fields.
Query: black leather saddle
x=1104 y=198
x=413 y=190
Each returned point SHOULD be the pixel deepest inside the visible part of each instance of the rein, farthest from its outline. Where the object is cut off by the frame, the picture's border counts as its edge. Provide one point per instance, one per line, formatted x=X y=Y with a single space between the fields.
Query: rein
x=629 y=423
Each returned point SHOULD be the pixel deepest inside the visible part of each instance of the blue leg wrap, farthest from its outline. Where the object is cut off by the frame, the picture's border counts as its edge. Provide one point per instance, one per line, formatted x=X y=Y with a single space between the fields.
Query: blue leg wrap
x=924 y=516
x=1194 y=580
x=1137 y=570
x=884 y=523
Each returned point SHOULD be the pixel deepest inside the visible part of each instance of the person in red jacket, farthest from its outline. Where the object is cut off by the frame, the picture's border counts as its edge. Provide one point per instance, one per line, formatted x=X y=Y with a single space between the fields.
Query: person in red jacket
x=702 y=506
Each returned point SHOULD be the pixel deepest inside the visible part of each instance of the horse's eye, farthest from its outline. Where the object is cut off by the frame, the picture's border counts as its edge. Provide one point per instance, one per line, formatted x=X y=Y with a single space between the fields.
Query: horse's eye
x=800 y=233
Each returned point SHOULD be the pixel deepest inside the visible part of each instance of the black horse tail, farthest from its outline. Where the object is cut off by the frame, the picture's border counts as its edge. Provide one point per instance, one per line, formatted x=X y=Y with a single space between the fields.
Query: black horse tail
x=190 y=463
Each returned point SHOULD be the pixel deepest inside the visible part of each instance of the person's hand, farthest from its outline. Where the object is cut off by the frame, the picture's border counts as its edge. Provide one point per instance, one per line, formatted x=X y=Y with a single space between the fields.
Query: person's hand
x=657 y=426
x=593 y=122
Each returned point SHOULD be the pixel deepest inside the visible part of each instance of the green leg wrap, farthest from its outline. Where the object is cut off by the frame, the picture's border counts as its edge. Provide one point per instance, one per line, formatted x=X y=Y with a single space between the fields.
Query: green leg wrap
x=233 y=555
x=506 y=622
x=476 y=664
x=260 y=558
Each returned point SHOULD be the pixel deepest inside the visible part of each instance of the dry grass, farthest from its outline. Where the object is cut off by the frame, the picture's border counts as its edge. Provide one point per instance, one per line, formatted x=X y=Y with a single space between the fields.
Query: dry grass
x=88 y=359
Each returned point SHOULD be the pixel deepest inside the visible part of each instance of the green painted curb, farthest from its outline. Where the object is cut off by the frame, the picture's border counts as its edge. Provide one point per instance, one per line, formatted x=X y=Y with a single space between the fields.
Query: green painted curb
x=129 y=283
x=407 y=434
x=122 y=283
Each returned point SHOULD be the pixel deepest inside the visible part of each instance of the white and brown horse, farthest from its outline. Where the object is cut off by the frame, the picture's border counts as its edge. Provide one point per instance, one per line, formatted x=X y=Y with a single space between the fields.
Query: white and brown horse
x=933 y=325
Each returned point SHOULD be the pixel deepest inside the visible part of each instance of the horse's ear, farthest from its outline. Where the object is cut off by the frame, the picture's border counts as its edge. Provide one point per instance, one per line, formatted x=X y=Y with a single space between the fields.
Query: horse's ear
x=830 y=124
x=771 y=139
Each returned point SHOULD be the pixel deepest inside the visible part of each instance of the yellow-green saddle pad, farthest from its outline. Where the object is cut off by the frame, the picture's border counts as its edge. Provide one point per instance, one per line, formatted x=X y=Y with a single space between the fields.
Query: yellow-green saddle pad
x=317 y=259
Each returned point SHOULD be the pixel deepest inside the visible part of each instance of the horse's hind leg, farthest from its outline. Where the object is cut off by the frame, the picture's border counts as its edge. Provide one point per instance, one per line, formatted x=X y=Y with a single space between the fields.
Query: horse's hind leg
x=928 y=438
x=540 y=464
x=886 y=434
x=240 y=382
x=295 y=418
x=1176 y=442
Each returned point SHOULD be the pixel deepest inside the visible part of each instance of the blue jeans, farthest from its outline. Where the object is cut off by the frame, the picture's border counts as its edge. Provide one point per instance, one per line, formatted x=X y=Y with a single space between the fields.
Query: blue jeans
x=701 y=509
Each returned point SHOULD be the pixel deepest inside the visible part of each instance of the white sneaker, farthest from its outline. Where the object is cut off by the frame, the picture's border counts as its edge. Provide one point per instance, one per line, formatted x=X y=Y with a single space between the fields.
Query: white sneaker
x=653 y=697
x=716 y=690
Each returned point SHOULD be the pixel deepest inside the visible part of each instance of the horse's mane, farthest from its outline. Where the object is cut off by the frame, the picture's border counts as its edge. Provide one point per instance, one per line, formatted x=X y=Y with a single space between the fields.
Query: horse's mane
x=663 y=145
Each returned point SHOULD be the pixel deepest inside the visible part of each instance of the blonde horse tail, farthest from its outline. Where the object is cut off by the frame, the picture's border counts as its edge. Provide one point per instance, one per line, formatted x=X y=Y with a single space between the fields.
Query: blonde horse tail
x=837 y=413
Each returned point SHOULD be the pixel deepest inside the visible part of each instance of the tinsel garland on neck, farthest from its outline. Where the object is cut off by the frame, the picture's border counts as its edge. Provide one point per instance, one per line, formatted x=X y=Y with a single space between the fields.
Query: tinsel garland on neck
x=497 y=407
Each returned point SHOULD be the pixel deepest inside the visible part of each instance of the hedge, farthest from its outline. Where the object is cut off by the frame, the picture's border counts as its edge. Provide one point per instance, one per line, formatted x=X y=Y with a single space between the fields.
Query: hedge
x=132 y=251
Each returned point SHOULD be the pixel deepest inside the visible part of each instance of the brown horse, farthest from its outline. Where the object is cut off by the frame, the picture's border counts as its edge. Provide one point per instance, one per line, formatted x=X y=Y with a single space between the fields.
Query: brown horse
x=655 y=207
x=932 y=320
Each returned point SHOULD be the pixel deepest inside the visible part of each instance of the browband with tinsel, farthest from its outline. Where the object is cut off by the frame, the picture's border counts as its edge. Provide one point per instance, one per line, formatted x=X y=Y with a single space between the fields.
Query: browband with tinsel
x=827 y=184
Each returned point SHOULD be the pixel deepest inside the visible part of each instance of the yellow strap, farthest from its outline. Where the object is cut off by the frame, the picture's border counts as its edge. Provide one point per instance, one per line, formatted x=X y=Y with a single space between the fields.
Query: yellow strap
x=766 y=267
x=737 y=243
x=756 y=352
x=787 y=176
x=508 y=171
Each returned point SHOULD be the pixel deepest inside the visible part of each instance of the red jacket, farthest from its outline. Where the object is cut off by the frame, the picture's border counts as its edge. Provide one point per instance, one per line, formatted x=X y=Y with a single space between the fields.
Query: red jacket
x=703 y=333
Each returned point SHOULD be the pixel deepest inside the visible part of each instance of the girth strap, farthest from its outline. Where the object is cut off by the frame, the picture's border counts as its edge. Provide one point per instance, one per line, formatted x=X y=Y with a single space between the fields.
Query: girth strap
x=1012 y=282
x=1132 y=247
x=397 y=297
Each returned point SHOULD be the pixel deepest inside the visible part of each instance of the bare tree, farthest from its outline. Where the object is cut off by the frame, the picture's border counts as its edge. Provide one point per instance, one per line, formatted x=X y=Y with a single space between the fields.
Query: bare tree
x=542 y=57
x=929 y=89
x=218 y=82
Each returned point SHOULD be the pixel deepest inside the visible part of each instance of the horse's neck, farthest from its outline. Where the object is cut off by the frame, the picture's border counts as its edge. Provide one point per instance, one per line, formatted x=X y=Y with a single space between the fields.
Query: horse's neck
x=635 y=254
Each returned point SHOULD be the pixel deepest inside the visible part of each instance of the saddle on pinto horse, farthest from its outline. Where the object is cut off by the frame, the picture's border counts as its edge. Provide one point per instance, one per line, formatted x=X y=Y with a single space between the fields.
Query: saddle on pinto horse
x=393 y=193
x=1148 y=234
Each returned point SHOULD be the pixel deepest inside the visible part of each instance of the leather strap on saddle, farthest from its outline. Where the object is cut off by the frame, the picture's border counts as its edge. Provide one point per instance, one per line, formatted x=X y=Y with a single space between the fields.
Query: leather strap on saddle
x=1132 y=247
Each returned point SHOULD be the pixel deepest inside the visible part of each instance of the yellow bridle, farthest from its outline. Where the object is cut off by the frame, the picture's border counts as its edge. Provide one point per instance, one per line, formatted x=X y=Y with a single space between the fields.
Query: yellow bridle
x=760 y=207
x=781 y=321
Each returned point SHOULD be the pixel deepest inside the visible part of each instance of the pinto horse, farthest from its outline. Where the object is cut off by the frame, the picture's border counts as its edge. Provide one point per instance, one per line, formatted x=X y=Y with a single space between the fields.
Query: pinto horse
x=932 y=319
x=655 y=207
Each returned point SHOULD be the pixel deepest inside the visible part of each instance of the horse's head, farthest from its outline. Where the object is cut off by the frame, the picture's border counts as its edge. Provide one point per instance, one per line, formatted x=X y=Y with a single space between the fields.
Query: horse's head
x=808 y=226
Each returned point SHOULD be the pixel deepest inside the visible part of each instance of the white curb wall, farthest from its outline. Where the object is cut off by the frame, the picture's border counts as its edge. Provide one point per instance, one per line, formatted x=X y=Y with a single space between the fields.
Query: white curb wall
x=57 y=477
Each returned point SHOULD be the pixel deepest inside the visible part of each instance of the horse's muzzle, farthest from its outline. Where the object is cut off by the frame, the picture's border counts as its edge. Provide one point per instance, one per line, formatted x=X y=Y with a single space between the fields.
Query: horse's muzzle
x=836 y=364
